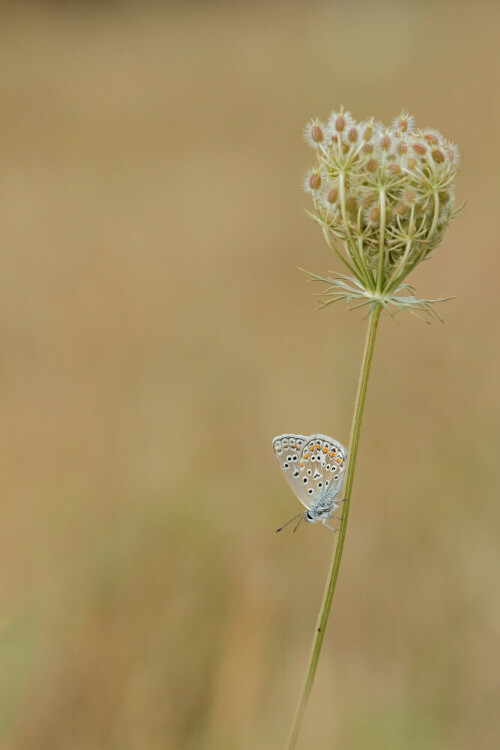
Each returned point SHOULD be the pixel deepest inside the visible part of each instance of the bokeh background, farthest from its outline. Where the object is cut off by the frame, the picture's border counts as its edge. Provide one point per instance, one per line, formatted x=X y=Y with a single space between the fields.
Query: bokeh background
x=156 y=334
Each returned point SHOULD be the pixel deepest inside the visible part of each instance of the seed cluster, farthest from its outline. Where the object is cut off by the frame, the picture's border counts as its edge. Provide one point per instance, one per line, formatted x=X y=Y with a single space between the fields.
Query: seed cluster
x=385 y=192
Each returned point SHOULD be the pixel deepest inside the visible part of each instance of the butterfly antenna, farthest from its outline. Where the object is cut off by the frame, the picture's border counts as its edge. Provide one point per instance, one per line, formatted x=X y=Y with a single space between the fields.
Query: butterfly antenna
x=290 y=521
x=298 y=523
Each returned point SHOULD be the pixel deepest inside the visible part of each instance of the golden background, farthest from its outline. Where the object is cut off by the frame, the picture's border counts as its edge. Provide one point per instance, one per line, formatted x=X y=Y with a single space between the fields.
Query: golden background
x=156 y=334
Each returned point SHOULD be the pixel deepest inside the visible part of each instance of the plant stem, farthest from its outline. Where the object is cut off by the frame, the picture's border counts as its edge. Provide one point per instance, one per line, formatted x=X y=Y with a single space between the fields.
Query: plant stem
x=340 y=537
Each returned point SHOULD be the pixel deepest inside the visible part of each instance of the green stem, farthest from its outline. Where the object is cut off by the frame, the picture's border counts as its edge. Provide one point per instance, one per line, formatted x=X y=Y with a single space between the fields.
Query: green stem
x=340 y=537
x=381 y=249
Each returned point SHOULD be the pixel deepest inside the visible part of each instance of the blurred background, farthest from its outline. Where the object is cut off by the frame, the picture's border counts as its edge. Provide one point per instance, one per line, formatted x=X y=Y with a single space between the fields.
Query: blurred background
x=156 y=333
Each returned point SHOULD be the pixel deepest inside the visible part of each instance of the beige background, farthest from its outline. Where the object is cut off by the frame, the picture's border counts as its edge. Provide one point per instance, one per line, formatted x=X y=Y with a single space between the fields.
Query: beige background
x=156 y=334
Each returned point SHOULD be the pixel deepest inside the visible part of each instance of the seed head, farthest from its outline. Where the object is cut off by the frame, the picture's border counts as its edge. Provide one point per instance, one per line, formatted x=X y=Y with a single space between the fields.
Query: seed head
x=437 y=155
x=419 y=149
x=404 y=123
x=431 y=136
x=385 y=142
x=385 y=193
x=332 y=194
x=339 y=123
x=312 y=181
x=314 y=133
x=368 y=131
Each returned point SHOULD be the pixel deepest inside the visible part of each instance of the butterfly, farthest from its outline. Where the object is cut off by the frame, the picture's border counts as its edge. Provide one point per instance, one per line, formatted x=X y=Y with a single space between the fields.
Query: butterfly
x=314 y=468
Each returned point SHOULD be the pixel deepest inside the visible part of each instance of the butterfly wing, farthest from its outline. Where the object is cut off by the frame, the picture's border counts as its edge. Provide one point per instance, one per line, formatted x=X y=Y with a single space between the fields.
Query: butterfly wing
x=288 y=449
x=313 y=465
x=322 y=462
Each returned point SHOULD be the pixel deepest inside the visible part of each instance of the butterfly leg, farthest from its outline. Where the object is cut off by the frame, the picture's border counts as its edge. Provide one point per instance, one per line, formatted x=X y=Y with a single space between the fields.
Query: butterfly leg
x=328 y=526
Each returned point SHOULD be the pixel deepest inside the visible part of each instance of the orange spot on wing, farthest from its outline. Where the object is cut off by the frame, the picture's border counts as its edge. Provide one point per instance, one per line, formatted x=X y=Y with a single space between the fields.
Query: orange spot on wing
x=325 y=450
x=306 y=455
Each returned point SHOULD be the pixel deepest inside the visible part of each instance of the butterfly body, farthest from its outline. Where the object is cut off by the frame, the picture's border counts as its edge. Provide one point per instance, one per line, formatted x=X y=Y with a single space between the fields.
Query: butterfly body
x=320 y=509
x=314 y=467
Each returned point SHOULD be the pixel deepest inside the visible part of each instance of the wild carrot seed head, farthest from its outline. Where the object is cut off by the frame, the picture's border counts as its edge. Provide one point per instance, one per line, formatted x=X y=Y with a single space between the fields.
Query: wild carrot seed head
x=392 y=189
